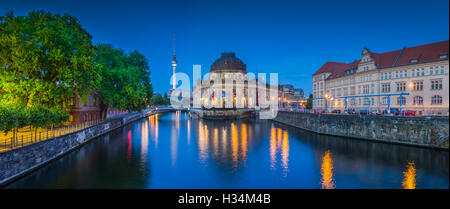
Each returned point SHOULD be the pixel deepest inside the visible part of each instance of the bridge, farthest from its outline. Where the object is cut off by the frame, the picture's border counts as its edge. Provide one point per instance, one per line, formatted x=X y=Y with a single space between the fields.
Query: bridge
x=213 y=113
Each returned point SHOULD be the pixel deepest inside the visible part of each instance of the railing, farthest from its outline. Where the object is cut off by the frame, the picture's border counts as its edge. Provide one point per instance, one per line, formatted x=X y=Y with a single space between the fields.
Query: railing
x=24 y=139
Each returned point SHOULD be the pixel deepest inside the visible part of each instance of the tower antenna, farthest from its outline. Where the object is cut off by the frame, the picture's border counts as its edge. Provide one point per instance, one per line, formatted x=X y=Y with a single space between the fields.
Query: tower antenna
x=174 y=39
x=174 y=64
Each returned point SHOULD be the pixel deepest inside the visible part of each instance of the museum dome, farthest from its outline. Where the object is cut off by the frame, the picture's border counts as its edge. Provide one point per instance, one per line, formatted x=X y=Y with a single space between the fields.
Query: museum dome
x=228 y=63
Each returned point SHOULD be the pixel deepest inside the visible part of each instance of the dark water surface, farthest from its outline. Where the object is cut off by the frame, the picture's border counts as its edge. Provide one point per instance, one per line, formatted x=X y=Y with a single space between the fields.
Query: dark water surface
x=174 y=151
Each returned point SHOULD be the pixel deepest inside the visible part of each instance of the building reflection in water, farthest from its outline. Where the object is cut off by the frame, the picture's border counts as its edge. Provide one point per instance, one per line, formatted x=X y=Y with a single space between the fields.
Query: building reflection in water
x=244 y=142
x=144 y=143
x=202 y=140
x=327 y=171
x=279 y=144
x=174 y=137
x=234 y=144
x=129 y=146
x=409 y=181
x=225 y=141
x=153 y=120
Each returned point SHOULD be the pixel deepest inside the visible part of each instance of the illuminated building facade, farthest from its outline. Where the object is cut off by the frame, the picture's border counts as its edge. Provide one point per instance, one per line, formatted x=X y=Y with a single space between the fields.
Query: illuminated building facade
x=414 y=78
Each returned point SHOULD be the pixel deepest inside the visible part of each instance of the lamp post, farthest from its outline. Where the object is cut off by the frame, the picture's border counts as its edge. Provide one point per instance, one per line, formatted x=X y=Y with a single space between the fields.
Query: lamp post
x=326 y=101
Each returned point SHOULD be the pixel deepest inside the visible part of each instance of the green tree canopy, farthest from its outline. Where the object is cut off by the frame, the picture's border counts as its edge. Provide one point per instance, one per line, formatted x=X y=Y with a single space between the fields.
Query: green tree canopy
x=125 y=83
x=309 y=103
x=158 y=99
x=12 y=116
x=45 y=58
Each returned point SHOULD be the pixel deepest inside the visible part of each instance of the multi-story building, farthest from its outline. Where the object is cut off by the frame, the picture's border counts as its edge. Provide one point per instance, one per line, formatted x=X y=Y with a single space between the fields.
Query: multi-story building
x=289 y=96
x=414 y=78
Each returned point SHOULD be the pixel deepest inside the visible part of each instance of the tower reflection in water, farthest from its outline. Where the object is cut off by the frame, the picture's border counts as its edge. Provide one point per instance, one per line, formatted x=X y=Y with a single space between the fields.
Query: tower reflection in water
x=409 y=180
x=327 y=171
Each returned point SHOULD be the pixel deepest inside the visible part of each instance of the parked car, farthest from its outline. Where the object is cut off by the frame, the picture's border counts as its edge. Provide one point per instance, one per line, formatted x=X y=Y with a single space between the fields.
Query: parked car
x=375 y=112
x=336 y=111
x=350 y=111
x=393 y=111
x=409 y=113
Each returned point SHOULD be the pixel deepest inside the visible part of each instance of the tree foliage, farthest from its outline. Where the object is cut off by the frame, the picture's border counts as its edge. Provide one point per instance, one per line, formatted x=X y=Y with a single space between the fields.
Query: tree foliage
x=125 y=83
x=12 y=116
x=309 y=102
x=16 y=115
x=158 y=99
x=45 y=58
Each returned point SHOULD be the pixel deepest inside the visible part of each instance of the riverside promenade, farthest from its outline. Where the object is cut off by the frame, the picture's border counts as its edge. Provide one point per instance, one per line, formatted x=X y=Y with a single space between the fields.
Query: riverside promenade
x=431 y=132
x=21 y=160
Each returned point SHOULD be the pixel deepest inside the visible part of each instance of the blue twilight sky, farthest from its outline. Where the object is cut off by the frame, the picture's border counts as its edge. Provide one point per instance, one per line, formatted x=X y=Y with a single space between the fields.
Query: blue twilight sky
x=293 y=38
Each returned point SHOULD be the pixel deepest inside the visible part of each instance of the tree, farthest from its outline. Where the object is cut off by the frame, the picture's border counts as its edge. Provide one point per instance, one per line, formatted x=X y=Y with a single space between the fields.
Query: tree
x=45 y=59
x=57 y=116
x=125 y=79
x=157 y=100
x=309 y=103
x=39 y=116
x=12 y=117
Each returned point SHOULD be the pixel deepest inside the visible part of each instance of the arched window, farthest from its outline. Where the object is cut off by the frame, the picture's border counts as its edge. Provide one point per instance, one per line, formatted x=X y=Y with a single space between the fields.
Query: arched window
x=418 y=100
x=436 y=99
x=401 y=100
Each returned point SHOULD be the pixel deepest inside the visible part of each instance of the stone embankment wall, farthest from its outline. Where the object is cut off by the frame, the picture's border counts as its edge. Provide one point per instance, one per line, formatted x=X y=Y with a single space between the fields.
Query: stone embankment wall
x=18 y=162
x=420 y=131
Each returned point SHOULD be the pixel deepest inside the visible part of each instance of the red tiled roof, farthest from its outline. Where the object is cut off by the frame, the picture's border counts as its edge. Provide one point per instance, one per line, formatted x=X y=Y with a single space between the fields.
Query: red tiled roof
x=329 y=67
x=424 y=53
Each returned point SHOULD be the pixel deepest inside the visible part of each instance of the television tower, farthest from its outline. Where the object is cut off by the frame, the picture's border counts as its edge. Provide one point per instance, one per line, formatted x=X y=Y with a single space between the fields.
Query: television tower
x=174 y=64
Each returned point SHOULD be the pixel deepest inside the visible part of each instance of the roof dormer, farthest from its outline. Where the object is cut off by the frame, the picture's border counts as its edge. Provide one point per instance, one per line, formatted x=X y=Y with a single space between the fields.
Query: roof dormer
x=365 y=55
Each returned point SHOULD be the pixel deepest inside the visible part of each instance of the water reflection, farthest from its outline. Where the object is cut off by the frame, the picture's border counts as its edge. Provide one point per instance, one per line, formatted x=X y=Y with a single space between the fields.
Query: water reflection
x=327 y=171
x=153 y=120
x=409 y=181
x=156 y=153
x=129 y=147
x=279 y=144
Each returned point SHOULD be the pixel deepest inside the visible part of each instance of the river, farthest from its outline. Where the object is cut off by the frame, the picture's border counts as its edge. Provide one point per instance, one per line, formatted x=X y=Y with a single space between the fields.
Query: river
x=173 y=150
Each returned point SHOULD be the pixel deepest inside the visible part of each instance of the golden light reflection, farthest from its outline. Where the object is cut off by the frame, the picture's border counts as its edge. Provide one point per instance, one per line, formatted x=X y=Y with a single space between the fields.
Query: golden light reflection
x=189 y=131
x=409 y=181
x=153 y=121
x=273 y=146
x=234 y=143
x=224 y=141
x=244 y=141
x=203 y=140
x=215 y=141
x=285 y=150
x=327 y=171
x=279 y=136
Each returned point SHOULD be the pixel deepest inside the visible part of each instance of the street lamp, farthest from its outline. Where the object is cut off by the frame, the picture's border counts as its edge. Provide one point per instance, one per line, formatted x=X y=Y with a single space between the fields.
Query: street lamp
x=326 y=101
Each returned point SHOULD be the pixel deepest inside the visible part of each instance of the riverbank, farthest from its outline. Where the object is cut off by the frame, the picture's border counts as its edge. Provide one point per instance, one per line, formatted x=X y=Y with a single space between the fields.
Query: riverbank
x=430 y=132
x=21 y=161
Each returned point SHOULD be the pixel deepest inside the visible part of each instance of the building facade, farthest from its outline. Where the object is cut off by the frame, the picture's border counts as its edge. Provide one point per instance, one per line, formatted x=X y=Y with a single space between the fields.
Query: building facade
x=88 y=110
x=415 y=78
x=290 y=96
